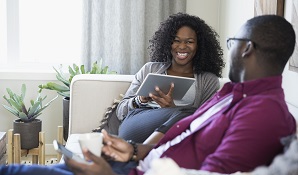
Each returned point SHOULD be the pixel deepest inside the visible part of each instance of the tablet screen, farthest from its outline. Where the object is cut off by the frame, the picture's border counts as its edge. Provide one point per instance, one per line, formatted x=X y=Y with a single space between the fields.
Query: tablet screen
x=181 y=85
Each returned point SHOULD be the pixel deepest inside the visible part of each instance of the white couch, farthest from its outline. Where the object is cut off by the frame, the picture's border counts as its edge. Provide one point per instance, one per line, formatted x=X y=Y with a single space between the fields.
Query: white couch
x=90 y=96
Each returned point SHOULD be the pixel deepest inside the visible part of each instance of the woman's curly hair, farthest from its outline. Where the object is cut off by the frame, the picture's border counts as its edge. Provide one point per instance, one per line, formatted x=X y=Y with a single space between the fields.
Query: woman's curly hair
x=209 y=55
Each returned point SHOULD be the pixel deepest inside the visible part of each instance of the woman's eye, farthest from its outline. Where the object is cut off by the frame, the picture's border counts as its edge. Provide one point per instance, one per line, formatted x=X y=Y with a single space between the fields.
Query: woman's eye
x=176 y=41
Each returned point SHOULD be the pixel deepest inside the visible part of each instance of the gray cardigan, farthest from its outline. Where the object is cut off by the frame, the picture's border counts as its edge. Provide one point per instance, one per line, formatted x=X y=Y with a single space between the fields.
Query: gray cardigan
x=207 y=85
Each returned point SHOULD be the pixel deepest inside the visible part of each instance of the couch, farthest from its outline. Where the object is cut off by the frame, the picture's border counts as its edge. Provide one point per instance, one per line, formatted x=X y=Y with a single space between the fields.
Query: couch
x=90 y=96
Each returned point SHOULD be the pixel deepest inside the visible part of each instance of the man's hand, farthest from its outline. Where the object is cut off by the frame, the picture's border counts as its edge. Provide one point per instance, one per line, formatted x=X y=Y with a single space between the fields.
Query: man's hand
x=97 y=165
x=116 y=148
x=164 y=100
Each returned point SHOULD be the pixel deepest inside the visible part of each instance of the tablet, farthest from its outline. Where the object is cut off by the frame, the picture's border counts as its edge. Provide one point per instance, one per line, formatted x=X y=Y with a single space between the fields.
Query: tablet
x=181 y=85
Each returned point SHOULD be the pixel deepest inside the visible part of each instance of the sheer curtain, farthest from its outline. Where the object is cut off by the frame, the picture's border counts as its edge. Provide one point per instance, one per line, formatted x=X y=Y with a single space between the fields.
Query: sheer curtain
x=118 y=31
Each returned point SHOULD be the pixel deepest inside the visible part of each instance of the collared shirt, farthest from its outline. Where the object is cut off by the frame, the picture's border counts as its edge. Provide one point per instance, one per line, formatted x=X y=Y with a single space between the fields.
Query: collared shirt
x=157 y=152
x=240 y=137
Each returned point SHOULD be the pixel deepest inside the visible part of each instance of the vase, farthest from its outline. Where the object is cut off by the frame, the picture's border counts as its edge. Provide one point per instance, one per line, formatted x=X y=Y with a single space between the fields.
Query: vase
x=29 y=132
x=65 y=117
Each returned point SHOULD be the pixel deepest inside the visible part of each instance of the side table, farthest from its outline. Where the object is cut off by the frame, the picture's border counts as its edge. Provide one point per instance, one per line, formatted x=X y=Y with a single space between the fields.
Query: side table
x=14 y=151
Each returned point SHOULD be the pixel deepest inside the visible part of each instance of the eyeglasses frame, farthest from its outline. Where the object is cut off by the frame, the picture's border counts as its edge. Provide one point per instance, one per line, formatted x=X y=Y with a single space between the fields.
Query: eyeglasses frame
x=239 y=39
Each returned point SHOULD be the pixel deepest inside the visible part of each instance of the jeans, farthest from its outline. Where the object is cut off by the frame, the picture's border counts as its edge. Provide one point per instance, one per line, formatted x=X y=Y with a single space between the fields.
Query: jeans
x=58 y=169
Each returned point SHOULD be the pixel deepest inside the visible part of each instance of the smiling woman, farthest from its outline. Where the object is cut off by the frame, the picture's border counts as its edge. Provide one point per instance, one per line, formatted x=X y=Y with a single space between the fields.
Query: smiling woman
x=185 y=46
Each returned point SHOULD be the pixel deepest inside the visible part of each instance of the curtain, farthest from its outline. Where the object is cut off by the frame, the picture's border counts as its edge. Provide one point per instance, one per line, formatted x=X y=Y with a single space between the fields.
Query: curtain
x=118 y=31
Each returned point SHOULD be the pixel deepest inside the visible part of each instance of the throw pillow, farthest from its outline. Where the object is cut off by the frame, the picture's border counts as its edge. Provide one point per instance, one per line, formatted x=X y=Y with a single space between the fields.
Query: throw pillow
x=110 y=121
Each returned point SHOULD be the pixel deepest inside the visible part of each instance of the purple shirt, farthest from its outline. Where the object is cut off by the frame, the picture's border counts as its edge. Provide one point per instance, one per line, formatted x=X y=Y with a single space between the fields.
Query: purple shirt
x=240 y=137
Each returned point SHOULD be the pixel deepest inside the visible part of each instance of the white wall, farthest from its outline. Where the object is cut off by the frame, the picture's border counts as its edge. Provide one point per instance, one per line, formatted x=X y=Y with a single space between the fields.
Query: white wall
x=208 y=10
x=228 y=18
x=290 y=78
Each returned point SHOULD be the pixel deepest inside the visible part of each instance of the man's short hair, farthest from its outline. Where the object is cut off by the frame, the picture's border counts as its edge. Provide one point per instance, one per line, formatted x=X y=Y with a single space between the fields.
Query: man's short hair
x=274 y=38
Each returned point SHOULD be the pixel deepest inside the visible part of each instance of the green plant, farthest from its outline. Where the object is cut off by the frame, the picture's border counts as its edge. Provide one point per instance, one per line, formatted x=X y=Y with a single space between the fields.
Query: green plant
x=17 y=106
x=63 y=90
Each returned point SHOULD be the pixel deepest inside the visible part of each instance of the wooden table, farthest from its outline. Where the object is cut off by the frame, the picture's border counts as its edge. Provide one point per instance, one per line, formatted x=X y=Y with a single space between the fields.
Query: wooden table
x=14 y=151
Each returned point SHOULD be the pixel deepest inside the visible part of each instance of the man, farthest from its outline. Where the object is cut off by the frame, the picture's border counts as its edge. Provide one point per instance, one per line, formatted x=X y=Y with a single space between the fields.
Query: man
x=237 y=130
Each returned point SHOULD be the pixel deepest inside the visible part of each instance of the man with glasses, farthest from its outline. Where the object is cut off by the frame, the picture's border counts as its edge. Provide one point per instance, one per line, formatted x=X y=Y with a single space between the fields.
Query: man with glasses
x=237 y=130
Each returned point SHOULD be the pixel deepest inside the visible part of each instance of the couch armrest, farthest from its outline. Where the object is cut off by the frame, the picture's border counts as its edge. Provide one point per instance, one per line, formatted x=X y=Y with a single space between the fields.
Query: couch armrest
x=90 y=96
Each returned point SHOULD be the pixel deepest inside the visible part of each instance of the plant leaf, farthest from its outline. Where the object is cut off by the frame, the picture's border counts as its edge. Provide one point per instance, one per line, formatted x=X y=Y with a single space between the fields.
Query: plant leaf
x=34 y=109
x=83 y=69
x=15 y=105
x=34 y=117
x=12 y=110
x=23 y=117
x=60 y=76
x=23 y=92
x=64 y=94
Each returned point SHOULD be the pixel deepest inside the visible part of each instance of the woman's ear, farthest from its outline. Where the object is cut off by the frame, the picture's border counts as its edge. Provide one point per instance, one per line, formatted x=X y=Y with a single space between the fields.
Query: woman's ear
x=248 y=49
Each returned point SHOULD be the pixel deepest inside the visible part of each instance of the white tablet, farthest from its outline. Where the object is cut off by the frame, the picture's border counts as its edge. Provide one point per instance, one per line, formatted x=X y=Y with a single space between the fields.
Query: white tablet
x=181 y=85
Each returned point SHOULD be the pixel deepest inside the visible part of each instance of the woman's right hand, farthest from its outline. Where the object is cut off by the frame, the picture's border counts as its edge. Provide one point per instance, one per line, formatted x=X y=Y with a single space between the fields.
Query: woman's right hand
x=164 y=100
x=116 y=148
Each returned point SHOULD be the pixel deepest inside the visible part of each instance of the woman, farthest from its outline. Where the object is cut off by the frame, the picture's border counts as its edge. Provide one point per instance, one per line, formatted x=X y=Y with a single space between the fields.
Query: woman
x=186 y=46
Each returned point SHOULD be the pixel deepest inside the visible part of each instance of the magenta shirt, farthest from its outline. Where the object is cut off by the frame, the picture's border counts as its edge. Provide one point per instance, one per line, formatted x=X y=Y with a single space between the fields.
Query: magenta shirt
x=240 y=137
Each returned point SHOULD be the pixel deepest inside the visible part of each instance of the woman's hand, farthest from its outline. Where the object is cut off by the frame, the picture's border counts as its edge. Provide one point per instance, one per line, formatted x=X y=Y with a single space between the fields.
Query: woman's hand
x=116 y=148
x=164 y=100
x=145 y=99
x=97 y=165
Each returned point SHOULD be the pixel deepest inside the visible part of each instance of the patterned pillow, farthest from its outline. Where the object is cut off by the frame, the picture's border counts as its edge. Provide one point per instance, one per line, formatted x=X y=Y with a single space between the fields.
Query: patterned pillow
x=110 y=121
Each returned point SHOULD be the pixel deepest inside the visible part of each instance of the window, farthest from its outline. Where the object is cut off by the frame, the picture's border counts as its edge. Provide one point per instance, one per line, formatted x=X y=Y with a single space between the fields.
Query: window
x=40 y=34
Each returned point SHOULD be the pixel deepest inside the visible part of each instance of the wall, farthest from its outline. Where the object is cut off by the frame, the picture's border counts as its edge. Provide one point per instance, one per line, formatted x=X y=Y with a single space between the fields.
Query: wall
x=290 y=78
x=207 y=10
x=220 y=14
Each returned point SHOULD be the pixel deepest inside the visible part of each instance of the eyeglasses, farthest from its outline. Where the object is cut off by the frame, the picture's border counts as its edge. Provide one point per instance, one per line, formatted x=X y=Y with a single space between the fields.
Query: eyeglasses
x=231 y=41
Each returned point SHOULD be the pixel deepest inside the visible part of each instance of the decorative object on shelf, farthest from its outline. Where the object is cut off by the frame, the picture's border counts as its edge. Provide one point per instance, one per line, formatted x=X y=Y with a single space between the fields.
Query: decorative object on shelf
x=28 y=126
x=63 y=90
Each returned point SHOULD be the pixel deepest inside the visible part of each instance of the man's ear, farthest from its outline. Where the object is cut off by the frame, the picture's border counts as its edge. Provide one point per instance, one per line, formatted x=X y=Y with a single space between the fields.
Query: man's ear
x=248 y=49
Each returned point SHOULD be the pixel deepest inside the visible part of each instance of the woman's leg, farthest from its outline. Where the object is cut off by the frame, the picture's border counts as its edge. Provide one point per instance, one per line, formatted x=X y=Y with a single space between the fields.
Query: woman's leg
x=17 y=169
x=155 y=137
x=141 y=123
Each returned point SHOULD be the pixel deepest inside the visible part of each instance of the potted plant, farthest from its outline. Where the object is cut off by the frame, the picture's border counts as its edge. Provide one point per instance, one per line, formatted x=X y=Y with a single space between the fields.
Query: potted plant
x=28 y=126
x=64 y=89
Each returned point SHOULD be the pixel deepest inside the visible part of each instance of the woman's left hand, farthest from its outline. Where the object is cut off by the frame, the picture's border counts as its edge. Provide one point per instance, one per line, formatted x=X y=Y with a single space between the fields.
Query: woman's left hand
x=164 y=100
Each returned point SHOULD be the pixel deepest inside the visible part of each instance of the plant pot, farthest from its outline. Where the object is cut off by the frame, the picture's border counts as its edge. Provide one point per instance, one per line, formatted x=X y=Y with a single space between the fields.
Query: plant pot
x=29 y=132
x=65 y=117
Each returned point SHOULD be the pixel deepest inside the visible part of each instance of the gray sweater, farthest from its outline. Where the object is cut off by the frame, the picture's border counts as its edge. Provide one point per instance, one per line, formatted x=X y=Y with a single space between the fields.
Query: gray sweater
x=207 y=85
